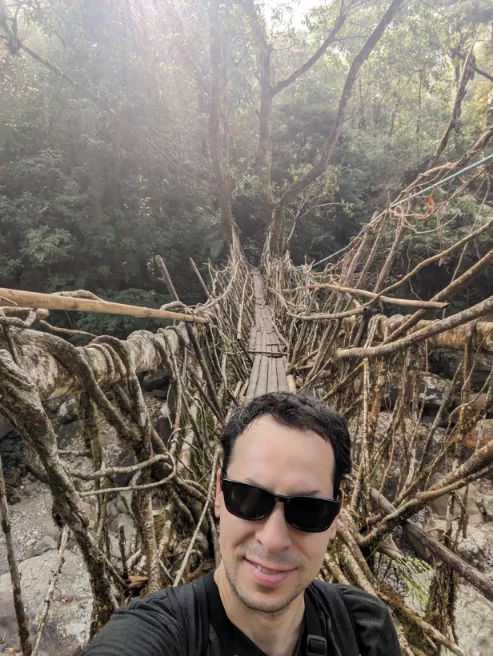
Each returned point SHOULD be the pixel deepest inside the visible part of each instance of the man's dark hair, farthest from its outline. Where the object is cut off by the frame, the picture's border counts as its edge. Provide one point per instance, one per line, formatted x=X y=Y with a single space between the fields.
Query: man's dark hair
x=301 y=411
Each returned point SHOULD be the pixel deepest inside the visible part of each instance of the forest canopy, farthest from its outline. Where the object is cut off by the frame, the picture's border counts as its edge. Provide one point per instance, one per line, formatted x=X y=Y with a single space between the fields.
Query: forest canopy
x=134 y=128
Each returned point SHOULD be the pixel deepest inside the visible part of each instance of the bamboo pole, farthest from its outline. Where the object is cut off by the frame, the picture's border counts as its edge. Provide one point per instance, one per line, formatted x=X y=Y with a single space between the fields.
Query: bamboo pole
x=201 y=280
x=53 y=302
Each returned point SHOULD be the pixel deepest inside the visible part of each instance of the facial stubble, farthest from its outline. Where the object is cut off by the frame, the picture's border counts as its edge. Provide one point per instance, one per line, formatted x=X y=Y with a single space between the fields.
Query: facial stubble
x=279 y=606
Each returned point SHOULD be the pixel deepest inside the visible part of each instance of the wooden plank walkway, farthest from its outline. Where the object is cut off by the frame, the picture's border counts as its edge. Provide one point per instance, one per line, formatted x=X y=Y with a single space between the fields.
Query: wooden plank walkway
x=269 y=364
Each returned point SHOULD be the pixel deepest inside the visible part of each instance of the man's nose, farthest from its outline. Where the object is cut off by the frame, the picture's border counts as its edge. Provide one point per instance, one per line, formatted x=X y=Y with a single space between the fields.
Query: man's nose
x=273 y=532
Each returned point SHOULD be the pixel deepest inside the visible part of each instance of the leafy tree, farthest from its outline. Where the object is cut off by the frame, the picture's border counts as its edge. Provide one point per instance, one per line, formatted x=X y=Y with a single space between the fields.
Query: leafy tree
x=129 y=129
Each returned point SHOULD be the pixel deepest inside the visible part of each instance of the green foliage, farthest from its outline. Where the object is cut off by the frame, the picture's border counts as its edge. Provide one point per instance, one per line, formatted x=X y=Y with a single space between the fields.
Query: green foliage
x=99 y=175
x=455 y=222
x=45 y=246
x=409 y=572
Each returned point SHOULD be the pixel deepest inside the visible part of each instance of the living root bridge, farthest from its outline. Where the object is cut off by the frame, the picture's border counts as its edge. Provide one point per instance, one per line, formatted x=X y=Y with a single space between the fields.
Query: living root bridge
x=288 y=337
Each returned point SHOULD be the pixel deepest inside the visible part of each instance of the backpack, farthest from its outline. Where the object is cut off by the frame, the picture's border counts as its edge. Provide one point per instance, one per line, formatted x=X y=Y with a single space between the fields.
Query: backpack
x=203 y=596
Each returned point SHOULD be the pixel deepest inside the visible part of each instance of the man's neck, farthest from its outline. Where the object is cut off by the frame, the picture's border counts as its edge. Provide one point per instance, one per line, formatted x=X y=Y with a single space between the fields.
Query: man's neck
x=276 y=634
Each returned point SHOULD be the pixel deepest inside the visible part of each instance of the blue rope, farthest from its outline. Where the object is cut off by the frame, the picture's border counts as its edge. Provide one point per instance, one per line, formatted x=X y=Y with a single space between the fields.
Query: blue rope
x=399 y=202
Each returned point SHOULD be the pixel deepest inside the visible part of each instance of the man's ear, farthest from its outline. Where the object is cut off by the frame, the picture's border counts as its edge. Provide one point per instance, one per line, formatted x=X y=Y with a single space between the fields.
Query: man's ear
x=219 y=495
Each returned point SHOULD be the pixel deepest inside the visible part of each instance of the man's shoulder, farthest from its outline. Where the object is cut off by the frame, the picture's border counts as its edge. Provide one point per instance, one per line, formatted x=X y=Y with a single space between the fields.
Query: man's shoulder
x=356 y=600
x=146 y=627
x=369 y=616
x=163 y=601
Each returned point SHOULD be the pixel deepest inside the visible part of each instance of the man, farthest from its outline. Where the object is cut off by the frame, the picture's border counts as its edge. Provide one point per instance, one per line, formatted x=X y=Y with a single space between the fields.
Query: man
x=277 y=499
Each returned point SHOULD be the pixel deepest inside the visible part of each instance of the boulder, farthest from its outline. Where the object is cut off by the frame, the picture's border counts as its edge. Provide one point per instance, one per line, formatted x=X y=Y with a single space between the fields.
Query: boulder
x=128 y=526
x=479 y=402
x=488 y=508
x=67 y=628
x=474 y=621
x=53 y=405
x=477 y=547
x=482 y=368
x=155 y=380
x=446 y=362
x=67 y=412
x=90 y=511
x=431 y=389
x=123 y=502
x=472 y=499
x=160 y=393
x=112 y=510
x=70 y=437
x=45 y=544
x=473 y=616
x=12 y=454
x=164 y=429
x=4 y=566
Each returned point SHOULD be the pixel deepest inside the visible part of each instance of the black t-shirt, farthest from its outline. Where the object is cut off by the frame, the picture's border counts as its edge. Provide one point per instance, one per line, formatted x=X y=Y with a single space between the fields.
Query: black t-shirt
x=150 y=627
x=243 y=646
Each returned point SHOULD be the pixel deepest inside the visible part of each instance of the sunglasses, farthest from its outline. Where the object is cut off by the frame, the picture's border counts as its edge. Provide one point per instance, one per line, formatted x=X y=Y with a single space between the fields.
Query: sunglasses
x=308 y=514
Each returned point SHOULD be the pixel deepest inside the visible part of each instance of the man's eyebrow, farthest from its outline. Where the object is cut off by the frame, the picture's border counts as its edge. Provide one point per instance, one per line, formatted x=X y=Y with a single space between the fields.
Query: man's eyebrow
x=309 y=493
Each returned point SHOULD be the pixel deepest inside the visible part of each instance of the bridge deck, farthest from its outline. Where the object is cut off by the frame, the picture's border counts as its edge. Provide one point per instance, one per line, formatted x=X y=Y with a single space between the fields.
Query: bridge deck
x=269 y=365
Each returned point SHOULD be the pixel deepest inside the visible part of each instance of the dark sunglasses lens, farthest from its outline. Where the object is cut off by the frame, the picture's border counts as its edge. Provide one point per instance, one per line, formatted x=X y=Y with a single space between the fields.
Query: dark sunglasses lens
x=246 y=501
x=310 y=514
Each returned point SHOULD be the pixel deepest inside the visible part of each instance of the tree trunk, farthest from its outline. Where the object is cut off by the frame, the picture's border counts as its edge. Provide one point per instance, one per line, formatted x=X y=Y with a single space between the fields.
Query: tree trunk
x=217 y=84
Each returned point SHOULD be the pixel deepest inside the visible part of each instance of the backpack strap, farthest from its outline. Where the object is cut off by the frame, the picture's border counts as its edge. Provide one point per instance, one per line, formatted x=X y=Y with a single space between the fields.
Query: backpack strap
x=342 y=622
x=205 y=596
x=202 y=601
x=316 y=644
x=217 y=615
x=180 y=615
x=192 y=596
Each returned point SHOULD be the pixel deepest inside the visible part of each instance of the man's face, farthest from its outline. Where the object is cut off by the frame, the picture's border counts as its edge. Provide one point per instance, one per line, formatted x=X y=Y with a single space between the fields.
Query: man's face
x=285 y=461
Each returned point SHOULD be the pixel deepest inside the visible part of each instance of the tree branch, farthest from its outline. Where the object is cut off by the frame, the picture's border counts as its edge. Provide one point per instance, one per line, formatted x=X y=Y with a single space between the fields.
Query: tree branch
x=477 y=70
x=217 y=83
x=321 y=162
x=439 y=550
x=459 y=96
x=20 y=613
x=283 y=84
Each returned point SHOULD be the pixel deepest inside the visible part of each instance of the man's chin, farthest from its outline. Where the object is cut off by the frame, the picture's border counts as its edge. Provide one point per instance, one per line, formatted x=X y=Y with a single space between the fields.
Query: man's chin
x=263 y=602
x=265 y=598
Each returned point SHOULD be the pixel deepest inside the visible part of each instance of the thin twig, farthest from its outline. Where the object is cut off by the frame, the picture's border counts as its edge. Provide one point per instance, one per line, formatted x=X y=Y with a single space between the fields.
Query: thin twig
x=51 y=589
x=201 y=519
x=22 y=621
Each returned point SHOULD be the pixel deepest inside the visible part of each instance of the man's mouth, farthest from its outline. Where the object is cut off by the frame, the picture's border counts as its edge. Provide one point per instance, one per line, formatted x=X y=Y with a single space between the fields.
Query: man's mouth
x=267 y=576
